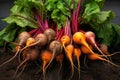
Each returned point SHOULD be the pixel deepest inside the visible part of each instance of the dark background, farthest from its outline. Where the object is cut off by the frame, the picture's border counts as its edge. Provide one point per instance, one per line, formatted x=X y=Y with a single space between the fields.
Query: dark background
x=5 y=6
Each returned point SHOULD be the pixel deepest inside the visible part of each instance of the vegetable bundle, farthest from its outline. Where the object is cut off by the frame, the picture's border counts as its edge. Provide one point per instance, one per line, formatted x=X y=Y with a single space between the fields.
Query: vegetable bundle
x=50 y=30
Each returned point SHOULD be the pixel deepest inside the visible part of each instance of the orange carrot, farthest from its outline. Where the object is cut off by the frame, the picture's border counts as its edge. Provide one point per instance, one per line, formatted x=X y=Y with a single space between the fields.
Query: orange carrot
x=98 y=57
x=90 y=36
x=69 y=52
x=46 y=58
x=77 y=54
x=30 y=54
x=65 y=40
x=30 y=41
x=80 y=38
x=85 y=50
x=59 y=58
x=23 y=36
x=40 y=40
x=56 y=48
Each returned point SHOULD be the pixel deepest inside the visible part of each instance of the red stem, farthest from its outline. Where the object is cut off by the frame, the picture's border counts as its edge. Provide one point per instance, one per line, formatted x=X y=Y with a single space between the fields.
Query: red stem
x=39 y=20
x=77 y=14
x=32 y=32
x=74 y=16
x=73 y=21
x=60 y=34
x=37 y=32
x=69 y=29
x=46 y=24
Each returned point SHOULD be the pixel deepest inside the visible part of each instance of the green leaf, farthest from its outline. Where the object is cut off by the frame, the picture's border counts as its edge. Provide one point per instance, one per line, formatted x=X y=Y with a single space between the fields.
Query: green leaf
x=50 y=6
x=59 y=20
x=8 y=33
x=90 y=10
x=116 y=39
x=58 y=11
x=24 y=8
x=60 y=5
x=1 y=42
x=104 y=32
x=103 y=16
x=22 y=22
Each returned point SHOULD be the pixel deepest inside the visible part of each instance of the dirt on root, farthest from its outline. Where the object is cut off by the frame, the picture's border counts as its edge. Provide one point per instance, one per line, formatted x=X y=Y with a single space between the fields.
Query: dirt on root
x=90 y=70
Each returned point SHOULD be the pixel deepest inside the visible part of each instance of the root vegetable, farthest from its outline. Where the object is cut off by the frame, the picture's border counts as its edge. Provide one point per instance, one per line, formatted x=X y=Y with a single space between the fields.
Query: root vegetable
x=22 y=38
x=30 y=41
x=90 y=36
x=56 y=48
x=51 y=34
x=65 y=40
x=40 y=40
x=98 y=57
x=85 y=50
x=46 y=57
x=30 y=54
x=80 y=38
x=69 y=52
x=77 y=54
x=59 y=58
x=104 y=48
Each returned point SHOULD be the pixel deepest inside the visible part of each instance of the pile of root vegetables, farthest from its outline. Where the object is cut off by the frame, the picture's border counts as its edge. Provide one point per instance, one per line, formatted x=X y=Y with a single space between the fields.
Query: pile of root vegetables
x=48 y=44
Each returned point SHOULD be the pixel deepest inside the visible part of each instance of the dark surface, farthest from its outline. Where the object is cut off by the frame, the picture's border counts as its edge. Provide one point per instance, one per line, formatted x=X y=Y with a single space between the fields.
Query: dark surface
x=96 y=70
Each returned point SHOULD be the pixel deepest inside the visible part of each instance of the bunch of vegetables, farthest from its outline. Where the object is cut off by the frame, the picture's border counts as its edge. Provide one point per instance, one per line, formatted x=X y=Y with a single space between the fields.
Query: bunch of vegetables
x=54 y=29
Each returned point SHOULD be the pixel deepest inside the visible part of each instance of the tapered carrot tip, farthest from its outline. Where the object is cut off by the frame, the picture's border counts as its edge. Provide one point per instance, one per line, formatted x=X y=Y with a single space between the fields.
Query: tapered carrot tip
x=77 y=54
x=69 y=51
x=44 y=69
x=97 y=57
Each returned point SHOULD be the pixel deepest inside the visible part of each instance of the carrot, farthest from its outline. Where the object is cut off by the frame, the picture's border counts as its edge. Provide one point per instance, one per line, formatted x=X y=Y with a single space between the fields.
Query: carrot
x=85 y=50
x=30 y=41
x=40 y=40
x=65 y=40
x=46 y=57
x=80 y=38
x=22 y=38
x=77 y=54
x=98 y=57
x=90 y=36
x=30 y=54
x=69 y=52
x=56 y=48
x=59 y=58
